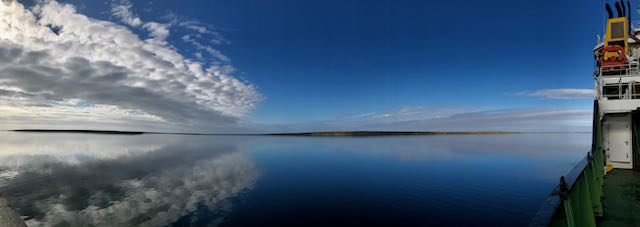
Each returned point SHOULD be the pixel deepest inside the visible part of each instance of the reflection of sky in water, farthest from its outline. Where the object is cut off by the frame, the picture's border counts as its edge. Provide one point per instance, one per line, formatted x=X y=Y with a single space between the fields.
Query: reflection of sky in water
x=79 y=179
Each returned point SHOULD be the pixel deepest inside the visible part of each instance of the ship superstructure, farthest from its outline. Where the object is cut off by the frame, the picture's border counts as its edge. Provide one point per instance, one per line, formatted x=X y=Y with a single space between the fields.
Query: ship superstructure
x=617 y=86
x=603 y=189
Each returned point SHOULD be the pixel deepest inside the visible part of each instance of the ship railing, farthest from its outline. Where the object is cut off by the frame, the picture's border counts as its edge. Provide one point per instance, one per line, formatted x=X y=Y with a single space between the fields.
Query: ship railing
x=626 y=89
x=621 y=96
x=621 y=70
x=618 y=89
x=577 y=199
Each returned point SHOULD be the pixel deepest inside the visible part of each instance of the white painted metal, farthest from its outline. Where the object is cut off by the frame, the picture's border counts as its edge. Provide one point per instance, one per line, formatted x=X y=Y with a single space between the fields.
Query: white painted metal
x=618 y=140
x=616 y=105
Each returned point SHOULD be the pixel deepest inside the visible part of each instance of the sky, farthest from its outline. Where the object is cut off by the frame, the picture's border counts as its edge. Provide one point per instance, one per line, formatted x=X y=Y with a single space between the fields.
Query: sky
x=283 y=65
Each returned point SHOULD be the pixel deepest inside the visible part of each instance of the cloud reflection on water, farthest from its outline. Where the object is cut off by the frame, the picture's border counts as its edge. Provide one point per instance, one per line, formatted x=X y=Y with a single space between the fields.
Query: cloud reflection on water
x=80 y=180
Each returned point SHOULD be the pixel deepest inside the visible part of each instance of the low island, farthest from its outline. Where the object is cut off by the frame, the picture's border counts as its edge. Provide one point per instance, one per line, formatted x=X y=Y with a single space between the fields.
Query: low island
x=319 y=134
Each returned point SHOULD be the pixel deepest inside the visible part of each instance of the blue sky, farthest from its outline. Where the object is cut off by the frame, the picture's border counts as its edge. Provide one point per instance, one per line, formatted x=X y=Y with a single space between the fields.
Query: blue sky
x=314 y=62
x=346 y=57
x=320 y=59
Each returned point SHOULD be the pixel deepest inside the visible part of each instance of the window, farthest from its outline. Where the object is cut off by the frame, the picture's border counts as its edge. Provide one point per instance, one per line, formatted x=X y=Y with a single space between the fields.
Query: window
x=617 y=30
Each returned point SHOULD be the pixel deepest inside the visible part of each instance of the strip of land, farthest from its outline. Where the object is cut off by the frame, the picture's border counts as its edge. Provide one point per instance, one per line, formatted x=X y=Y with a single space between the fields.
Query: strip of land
x=79 y=131
x=390 y=133
x=319 y=134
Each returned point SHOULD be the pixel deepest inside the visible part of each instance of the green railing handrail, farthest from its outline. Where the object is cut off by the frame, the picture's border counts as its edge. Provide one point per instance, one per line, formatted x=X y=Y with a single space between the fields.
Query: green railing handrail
x=577 y=199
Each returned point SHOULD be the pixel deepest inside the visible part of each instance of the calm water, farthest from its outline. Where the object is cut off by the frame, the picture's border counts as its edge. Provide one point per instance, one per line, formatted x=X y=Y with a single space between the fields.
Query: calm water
x=159 y=180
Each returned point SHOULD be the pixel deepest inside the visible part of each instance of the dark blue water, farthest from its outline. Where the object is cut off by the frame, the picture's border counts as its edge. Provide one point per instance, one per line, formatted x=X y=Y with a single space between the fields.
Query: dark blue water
x=162 y=180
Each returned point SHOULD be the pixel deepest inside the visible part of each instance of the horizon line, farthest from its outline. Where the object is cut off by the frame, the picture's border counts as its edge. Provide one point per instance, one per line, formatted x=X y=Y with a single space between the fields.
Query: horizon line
x=306 y=133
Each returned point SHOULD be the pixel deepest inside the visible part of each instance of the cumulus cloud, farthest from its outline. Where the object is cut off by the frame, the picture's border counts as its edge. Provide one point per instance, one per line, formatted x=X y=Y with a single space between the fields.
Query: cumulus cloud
x=560 y=93
x=51 y=54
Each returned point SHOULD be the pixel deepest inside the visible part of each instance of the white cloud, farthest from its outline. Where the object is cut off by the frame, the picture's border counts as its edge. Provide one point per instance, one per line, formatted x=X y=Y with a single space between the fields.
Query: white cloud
x=158 y=32
x=208 y=48
x=105 y=65
x=452 y=119
x=415 y=113
x=122 y=10
x=560 y=93
x=519 y=120
x=204 y=30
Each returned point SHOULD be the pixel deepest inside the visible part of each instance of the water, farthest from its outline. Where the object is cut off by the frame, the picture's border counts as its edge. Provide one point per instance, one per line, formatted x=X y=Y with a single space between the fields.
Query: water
x=159 y=180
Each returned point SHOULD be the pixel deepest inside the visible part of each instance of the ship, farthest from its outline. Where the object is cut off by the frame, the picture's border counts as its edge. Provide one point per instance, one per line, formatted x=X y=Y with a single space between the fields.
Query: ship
x=603 y=189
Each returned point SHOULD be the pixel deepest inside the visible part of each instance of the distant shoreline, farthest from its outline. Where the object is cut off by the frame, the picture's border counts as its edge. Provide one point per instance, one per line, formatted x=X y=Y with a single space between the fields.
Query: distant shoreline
x=305 y=134
x=388 y=133
x=79 y=131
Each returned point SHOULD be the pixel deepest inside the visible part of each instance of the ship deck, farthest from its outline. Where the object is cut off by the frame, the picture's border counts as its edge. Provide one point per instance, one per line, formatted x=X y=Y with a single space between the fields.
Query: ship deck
x=621 y=198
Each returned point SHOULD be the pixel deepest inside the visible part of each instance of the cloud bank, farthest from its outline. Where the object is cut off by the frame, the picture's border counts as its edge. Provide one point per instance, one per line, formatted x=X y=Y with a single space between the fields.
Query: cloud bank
x=560 y=93
x=51 y=56
x=452 y=119
x=519 y=120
